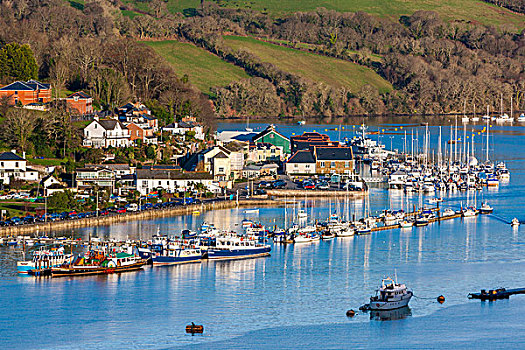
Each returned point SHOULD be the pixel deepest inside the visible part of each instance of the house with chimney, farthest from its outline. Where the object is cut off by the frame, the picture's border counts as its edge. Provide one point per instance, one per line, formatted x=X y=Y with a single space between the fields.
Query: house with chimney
x=14 y=167
x=106 y=133
x=25 y=93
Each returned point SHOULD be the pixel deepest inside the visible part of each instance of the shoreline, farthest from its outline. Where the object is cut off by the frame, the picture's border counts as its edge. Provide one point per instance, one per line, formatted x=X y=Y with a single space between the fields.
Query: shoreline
x=143 y=215
x=274 y=199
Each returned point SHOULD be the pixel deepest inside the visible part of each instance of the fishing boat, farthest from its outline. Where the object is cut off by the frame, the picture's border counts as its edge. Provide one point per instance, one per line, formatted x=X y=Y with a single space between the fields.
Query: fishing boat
x=515 y=222
x=98 y=263
x=177 y=256
x=485 y=208
x=391 y=295
x=228 y=248
x=43 y=260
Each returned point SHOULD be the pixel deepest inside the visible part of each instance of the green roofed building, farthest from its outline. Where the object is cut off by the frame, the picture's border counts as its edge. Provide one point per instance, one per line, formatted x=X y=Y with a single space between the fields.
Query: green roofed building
x=270 y=135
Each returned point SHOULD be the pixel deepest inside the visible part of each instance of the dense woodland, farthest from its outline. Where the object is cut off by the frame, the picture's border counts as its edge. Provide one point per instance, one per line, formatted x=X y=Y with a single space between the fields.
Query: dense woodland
x=434 y=66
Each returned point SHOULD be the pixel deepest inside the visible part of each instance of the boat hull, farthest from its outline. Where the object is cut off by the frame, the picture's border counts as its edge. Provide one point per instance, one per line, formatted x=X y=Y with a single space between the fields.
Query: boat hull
x=390 y=305
x=230 y=254
x=88 y=271
x=169 y=260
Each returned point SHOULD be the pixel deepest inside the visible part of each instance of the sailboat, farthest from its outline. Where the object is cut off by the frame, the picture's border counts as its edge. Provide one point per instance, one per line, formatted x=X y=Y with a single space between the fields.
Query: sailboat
x=475 y=118
x=504 y=117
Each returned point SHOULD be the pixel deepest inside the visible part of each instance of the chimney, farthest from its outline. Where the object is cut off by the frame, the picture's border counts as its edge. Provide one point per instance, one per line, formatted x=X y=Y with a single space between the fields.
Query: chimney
x=24 y=155
x=13 y=151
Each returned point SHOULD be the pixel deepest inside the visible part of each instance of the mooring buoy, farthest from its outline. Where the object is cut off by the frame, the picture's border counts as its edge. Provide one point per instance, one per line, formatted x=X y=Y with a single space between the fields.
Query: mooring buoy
x=441 y=299
x=350 y=313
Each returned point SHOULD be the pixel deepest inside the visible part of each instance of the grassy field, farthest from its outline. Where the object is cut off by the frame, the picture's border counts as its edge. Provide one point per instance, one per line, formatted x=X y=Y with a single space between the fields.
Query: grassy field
x=204 y=69
x=331 y=71
x=467 y=10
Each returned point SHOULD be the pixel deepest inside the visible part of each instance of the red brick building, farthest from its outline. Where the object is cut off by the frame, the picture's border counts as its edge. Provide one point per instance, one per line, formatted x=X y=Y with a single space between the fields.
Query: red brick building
x=27 y=92
x=80 y=103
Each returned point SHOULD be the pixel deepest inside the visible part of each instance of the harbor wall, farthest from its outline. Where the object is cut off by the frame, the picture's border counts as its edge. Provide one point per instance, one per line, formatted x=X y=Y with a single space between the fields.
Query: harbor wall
x=45 y=227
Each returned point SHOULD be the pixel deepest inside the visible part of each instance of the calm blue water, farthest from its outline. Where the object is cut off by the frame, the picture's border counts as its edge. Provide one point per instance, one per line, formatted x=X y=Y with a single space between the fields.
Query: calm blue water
x=297 y=298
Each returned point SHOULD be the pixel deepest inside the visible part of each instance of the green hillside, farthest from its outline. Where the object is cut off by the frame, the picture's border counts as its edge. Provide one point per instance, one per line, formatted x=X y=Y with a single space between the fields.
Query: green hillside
x=468 y=10
x=204 y=69
x=331 y=71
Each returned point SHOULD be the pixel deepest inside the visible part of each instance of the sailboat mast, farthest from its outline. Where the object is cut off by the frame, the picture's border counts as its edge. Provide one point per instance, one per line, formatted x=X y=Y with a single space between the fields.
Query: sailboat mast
x=487 y=140
x=465 y=141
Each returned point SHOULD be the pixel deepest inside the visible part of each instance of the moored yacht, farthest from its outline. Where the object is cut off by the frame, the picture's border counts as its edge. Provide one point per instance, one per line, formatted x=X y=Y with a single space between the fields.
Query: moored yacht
x=227 y=248
x=485 y=208
x=391 y=295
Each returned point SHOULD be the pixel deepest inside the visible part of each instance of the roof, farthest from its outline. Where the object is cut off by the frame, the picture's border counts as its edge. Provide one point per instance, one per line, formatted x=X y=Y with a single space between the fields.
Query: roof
x=221 y=155
x=268 y=130
x=110 y=124
x=17 y=86
x=145 y=174
x=37 y=85
x=333 y=153
x=93 y=168
x=252 y=167
x=302 y=157
x=110 y=166
x=79 y=94
x=30 y=85
x=270 y=166
x=10 y=156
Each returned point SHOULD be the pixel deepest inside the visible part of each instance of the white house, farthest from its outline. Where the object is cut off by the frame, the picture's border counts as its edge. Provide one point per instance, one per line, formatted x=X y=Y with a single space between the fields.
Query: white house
x=302 y=162
x=106 y=133
x=14 y=166
x=181 y=128
x=172 y=181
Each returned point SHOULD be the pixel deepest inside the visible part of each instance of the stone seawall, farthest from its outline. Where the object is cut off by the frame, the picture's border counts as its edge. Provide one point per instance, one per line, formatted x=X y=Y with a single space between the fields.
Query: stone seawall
x=143 y=215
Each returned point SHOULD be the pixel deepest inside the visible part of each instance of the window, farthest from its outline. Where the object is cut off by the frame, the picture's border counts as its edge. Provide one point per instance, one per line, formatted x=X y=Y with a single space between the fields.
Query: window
x=221 y=170
x=16 y=164
x=2 y=164
x=307 y=166
x=16 y=93
x=273 y=150
x=295 y=166
x=332 y=164
x=347 y=164
x=322 y=164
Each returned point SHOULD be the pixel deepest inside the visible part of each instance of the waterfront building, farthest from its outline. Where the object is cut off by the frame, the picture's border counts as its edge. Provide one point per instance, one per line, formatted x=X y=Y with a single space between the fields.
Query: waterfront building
x=301 y=162
x=106 y=133
x=334 y=160
x=24 y=93
x=309 y=140
x=172 y=181
x=271 y=136
x=142 y=132
x=254 y=171
x=265 y=152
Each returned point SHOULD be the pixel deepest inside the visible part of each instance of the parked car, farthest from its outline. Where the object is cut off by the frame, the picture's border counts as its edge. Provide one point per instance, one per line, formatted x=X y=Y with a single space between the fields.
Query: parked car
x=121 y=210
x=279 y=184
x=323 y=185
x=308 y=185
x=132 y=207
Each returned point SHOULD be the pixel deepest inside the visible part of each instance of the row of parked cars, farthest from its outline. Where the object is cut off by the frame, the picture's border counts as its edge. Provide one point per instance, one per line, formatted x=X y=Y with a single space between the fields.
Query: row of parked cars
x=73 y=215
x=276 y=184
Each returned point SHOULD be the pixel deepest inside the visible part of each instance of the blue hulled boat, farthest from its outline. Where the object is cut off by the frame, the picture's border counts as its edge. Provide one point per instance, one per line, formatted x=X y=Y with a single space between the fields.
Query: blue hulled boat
x=177 y=256
x=226 y=248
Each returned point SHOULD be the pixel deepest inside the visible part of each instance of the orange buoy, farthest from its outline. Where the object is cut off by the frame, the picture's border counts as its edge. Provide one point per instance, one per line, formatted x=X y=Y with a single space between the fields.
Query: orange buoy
x=194 y=328
x=441 y=299
x=350 y=313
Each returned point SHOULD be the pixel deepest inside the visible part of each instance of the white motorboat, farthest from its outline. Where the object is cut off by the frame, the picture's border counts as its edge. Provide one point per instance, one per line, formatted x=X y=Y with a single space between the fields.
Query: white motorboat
x=521 y=118
x=515 y=222
x=486 y=208
x=468 y=212
x=346 y=232
x=448 y=212
x=406 y=224
x=391 y=295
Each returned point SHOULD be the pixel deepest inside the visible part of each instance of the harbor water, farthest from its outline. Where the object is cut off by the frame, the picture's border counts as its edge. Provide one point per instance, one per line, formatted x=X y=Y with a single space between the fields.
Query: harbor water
x=297 y=297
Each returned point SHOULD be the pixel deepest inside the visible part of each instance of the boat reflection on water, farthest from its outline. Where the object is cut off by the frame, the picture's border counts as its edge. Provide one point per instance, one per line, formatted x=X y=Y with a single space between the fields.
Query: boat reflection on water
x=391 y=315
